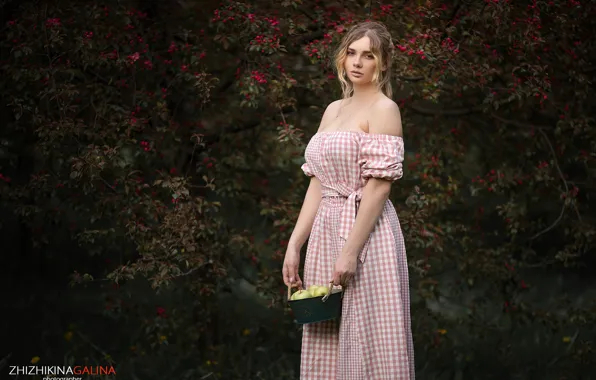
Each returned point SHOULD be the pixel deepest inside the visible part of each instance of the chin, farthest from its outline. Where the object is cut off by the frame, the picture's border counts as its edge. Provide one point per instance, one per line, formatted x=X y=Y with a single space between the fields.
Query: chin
x=360 y=80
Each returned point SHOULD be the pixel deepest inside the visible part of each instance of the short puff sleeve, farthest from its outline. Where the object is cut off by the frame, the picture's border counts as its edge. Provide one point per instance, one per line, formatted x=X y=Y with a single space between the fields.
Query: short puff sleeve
x=307 y=170
x=382 y=156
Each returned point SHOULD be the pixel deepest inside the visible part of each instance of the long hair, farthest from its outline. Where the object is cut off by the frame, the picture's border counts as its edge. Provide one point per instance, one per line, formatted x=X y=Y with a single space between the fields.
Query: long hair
x=381 y=48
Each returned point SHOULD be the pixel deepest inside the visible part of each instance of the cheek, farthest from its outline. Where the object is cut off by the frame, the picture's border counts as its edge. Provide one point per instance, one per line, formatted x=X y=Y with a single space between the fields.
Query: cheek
x=371 y=67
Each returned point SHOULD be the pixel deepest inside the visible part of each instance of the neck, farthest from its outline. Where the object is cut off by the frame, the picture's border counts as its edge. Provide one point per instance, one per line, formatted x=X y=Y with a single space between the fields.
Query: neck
x=365 y=91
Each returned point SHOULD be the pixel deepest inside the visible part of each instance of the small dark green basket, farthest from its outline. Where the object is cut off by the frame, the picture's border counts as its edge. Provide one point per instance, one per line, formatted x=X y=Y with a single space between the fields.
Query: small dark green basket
x=317 y=309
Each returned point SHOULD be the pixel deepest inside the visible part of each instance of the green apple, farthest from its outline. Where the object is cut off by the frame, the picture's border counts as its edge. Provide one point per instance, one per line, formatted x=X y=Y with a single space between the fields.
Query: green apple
x=313 y=288
x=300 y=295
x=319 y=291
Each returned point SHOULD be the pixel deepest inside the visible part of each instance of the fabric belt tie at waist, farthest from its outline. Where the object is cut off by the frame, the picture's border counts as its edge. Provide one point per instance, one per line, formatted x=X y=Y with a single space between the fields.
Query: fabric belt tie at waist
x=348 y=216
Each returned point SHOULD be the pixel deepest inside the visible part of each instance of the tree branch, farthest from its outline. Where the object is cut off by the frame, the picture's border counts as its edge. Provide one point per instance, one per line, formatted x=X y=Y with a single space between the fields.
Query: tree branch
x=247 y=126
x=556 y=164
x=518 y=123
x=562 y=176
x=553 y=225
x=311 y=17
x=228 y=78
x=450 y=112
x=411 y=79
x=310 y=37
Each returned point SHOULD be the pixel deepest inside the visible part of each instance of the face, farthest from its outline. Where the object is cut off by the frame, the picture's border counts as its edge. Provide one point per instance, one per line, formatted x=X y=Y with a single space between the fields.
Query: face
x=360 y=63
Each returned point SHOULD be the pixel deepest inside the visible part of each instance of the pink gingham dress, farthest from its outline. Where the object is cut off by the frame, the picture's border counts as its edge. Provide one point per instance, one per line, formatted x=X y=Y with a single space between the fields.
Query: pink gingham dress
x=373 y=341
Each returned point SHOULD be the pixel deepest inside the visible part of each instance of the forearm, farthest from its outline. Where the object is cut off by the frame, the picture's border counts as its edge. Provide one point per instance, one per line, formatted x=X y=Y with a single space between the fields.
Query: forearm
x=305 y=221
x=374 y=196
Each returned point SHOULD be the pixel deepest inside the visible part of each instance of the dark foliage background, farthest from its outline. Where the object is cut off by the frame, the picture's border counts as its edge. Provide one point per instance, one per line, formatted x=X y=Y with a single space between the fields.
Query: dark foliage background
x=150 y=177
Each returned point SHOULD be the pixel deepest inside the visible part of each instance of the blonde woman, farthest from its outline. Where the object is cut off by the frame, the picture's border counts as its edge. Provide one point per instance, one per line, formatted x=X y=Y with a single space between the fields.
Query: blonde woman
x=354 y=236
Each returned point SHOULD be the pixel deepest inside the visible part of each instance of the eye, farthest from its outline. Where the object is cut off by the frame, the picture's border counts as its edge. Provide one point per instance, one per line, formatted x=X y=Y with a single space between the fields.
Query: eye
x=370 y=56
x=350 y=53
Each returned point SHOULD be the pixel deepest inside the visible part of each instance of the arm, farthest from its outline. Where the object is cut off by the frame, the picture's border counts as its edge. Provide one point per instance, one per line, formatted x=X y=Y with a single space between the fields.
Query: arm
x=306 y=219
x=301 y=232
x=386 y=119
x=374 y=196
x=312 y=198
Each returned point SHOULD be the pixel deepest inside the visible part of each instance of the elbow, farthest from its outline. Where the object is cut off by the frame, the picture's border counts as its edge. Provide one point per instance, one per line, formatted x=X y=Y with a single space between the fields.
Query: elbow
x=385 y=191
x=379 y=188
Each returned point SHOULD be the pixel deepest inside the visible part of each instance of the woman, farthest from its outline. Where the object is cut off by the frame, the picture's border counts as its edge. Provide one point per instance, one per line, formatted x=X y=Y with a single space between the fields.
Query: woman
x=354 y=235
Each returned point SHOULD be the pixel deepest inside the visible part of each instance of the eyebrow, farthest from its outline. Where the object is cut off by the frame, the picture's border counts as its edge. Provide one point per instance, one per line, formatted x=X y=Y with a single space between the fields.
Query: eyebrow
x=366 y=51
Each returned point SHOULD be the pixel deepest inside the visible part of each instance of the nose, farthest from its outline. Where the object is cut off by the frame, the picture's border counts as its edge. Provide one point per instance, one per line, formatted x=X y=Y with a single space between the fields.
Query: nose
x=357 y=62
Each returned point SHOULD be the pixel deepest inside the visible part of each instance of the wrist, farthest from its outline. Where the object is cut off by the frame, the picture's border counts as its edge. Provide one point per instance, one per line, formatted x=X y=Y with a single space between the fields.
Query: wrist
x=349 y=254
x=295 y=245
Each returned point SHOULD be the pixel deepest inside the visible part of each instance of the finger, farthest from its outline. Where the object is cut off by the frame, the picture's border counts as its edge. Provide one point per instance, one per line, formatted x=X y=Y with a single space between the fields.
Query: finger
x=346 y=278
x=292 y=274
x=336 y=279
x=288 y=276
x=298 y=276
x=285 y=275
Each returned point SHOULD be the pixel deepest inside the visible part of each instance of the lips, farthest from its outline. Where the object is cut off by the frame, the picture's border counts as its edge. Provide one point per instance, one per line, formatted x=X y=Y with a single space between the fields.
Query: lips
x=356 y=73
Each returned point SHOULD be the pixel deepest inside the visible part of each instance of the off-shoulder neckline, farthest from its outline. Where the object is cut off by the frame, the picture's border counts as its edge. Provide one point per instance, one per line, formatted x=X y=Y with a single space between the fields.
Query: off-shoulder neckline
x=359 y=133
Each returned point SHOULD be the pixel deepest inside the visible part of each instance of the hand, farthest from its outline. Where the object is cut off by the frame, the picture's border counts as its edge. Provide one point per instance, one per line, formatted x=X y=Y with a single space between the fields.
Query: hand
x=345 y=269
x=290 y=268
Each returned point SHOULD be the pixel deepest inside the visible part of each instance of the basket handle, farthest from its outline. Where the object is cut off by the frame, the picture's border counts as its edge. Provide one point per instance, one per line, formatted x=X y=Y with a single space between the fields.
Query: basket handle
x=289 y=291
x=326 y=296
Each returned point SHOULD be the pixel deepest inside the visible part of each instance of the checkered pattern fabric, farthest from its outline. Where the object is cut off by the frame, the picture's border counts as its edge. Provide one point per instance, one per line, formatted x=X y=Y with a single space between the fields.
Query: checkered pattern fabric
x=373 y=340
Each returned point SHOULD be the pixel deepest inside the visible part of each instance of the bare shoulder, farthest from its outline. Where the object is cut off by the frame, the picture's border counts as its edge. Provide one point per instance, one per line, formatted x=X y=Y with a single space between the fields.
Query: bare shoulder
x=333 y=108
x=385 y=105
x=330 y=113
x=385 y=118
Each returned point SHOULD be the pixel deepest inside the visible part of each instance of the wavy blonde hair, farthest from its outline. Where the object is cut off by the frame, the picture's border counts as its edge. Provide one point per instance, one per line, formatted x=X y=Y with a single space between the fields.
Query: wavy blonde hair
x=381 y=46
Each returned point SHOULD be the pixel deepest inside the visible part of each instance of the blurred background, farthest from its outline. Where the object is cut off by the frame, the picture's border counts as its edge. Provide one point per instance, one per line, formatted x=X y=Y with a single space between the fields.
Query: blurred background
x=150 y=178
